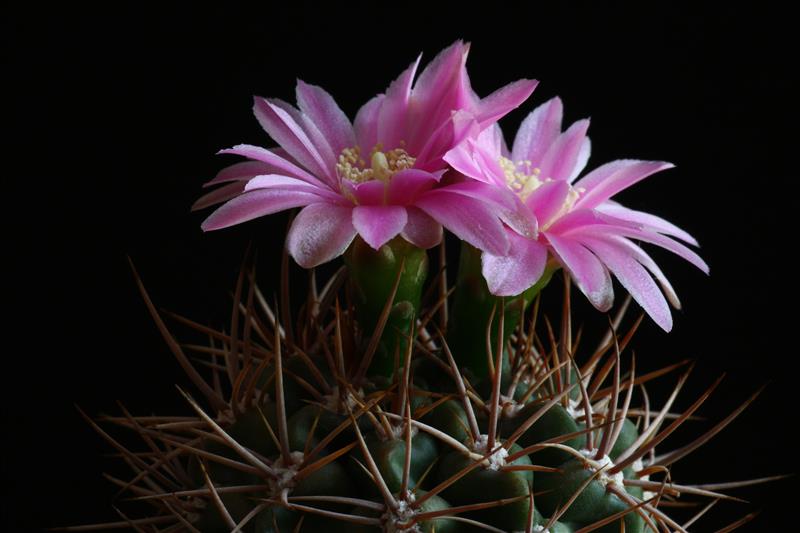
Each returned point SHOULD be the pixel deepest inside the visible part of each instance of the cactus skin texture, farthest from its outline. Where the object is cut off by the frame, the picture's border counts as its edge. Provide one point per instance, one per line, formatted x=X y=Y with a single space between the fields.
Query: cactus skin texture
x=289 y=430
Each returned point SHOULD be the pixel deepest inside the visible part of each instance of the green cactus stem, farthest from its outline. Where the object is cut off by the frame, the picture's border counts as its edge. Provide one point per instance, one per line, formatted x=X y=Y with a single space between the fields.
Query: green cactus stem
x=373 y=276
x=473 y=308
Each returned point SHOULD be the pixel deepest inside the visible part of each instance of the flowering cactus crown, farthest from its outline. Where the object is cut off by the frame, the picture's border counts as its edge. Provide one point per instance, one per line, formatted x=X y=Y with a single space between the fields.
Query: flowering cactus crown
x=428 y=154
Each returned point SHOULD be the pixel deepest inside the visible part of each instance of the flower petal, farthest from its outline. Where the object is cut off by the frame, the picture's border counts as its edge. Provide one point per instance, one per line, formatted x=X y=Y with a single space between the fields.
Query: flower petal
x=378 y=224
x=635 y=278
x=590 y=275
x=312 y=131
x=322 y=110
x=507 y=205
x=219 y=195
x=646 y=220
x=538 y=131
x=407 y=184
x=438 y=92
x=461 y=125
x=654 y=238
x=392 y=123
x=561 y=159
x=548 y=200
x=280 y=164
x=319 y=233
x=421 y=230
x=255 y=204
x=647 y=261
x=479 y=158
x=469 y=219
x=520 y=269
x=607 y=180
x=499 y=103
x=240 y=171
x=583 y=158
x=285 y=130
x=269 y=181
x=366 y=124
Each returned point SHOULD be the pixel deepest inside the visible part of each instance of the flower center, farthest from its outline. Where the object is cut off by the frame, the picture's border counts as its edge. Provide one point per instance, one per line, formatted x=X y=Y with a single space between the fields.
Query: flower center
x=523 y=178
x=383 y=165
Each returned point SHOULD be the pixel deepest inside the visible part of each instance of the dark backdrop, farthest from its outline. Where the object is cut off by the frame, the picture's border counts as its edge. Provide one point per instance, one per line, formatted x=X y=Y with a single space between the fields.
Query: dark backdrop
x=116 y=116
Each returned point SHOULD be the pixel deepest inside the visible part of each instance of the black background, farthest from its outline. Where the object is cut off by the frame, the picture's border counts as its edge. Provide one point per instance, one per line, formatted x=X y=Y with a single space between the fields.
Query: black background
x=116 y=116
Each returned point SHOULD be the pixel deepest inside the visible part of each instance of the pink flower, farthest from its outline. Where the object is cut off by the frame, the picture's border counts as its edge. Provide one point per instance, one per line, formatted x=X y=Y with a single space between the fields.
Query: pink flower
x=380 y=176
x=576 y=222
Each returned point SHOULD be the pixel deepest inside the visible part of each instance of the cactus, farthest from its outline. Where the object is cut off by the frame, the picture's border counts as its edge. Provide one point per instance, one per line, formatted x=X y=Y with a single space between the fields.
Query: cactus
x=293 y=435
x=377 y=406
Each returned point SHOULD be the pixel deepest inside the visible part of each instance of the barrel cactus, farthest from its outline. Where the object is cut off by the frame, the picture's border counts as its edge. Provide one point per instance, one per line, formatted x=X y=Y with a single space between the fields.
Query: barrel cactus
x=396 y=400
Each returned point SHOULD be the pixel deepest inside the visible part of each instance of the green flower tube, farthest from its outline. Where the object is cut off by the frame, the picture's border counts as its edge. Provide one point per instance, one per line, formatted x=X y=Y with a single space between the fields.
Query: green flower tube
x=373 y=275
x=473 y=306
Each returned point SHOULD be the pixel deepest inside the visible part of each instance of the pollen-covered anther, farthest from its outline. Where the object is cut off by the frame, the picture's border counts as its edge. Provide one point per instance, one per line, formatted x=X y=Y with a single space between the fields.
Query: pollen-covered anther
x=382 y=165
x=521 y=176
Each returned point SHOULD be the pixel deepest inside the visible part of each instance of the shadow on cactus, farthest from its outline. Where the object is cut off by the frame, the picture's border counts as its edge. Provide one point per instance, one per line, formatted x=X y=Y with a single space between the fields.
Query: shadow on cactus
x=394 y=403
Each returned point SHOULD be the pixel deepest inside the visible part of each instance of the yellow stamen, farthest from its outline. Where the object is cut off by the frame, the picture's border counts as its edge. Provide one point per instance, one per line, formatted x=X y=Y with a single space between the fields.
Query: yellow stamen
x=383 y=165
x=523 y=178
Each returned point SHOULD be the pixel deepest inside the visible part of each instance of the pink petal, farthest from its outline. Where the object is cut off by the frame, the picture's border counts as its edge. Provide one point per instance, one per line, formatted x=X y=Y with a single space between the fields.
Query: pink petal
x=406 y=185
x=511 y=274
x=319 y=233
x=583 y=158
x=478 y=160
x=640 y=255
x=437 y=92
x=378 y=224
x=561 y=159
x=269 y=181
x=322 y=110
x=222 y=194
x=605 y=181
x=636 y=280
x=646 y=220
x=312 y=131
x=371 y=192
x=589 y=274
x=653 y=238
x=240 y=171
x=284 y=129
x=469 y=219
x=499 y=103
x=547 y=200
x=392 y=123
x=538 y=131
x=255 y=204
x=421 y=230
x=278 y=163
x=450 y=133
x=366 y=124
x=575 y=221
x=507 y=205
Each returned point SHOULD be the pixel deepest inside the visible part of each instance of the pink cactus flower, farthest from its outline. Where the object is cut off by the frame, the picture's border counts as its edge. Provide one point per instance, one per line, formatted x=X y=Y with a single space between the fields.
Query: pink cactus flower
x=378 y=177
x=576 y=222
